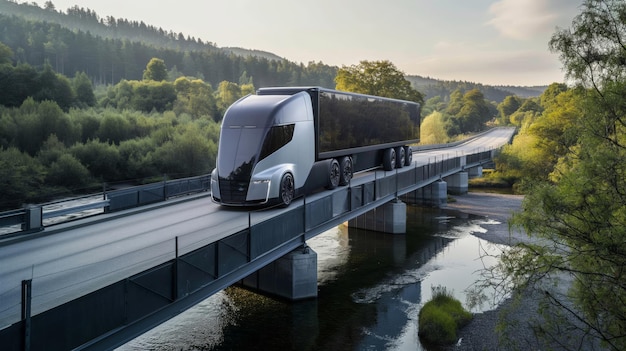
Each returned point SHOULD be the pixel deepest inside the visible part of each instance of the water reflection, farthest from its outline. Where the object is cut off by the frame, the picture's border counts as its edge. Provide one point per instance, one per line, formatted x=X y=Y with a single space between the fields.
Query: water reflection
x=371 y=287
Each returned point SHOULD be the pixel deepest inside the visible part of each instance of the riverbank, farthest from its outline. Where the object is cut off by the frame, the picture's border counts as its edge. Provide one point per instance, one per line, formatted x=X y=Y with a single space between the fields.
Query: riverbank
x=481 y=333
x=511 y=326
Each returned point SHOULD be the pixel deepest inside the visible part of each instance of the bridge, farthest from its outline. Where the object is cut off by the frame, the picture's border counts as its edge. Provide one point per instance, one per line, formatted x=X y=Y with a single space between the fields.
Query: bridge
x=97 y=282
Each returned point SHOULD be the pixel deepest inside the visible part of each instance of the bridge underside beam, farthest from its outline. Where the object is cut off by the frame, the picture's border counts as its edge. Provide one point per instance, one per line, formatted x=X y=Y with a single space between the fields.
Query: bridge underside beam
x=389 y=218
x=458 y=183
x=293 y=276
x=435 y=195
x=475 y=172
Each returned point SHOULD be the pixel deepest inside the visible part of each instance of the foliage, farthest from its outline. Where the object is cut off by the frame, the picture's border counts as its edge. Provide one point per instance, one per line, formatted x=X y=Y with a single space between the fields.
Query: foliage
x=433 y=129
x=112 y=49
x=441 y=318
x=379 y=78
x=467 y=112
x=433 y=88
x=46 y=151
x=576 y=208
x=21 y=177
x=84 y=90
x=156 y=70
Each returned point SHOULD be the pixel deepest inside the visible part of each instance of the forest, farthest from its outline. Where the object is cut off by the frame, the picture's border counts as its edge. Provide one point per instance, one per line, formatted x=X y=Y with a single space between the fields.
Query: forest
x=89 y=101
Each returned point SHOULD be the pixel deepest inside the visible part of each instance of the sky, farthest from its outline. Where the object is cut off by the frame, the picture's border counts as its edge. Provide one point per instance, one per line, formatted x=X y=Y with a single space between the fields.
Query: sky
x=495 y=42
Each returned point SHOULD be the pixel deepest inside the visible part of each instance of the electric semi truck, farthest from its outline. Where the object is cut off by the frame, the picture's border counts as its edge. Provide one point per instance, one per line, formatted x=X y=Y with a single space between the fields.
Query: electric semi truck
x=286 y=142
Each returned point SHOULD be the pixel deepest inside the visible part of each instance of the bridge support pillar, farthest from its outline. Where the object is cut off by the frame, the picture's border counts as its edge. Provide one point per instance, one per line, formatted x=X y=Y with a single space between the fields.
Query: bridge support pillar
x=475 y=172
x=293 y=276
x=457 y=183
x=435 y=194
x=389 y=218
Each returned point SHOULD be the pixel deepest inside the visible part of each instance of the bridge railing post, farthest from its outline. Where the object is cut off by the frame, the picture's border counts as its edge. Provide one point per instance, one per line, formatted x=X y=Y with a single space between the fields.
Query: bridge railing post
x=27 y=289
x=33 y=219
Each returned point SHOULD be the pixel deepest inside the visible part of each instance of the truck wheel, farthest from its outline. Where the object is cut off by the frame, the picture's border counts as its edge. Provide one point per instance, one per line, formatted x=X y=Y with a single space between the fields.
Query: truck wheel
x=346 y=170
x=389 y=159
x=333 y=174
x=408 y=158
x=287 y=189
x=400 y=157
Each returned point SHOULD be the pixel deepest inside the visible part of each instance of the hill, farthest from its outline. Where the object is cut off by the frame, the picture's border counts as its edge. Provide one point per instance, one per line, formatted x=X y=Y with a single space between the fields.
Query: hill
x=434 y=87
x=110 y=49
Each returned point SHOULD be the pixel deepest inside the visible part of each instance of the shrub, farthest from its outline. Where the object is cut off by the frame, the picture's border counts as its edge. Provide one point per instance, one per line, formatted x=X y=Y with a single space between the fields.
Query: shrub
x=441 y=318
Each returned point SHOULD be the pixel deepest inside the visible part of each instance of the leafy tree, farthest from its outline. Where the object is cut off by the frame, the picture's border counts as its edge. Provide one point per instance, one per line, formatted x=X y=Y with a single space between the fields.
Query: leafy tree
x=578 y=216
x=155 y=70
x=86 y=122
x=433 y=104
x=54 y=87
x=84 y=90
x=17 y=84
x=467 y=113
x=137 y=158
x=21 y=178
x=433 y=129
x=68 y=172
x=227 y=93
x=189 y=153
x=194 y=97
x=101 y=159
x=508 y=106
x=113 y=128
x=380 y=78
x=6 y=54
x=474 y=113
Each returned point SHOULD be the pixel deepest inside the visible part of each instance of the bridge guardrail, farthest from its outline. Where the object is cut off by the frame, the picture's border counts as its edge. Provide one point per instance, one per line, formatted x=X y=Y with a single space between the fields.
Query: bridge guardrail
x=35 y=218
x=195 y=267
x=32 y=218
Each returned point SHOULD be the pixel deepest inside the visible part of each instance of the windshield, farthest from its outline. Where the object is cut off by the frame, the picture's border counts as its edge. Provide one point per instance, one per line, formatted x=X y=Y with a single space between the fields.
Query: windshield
x=239 y=147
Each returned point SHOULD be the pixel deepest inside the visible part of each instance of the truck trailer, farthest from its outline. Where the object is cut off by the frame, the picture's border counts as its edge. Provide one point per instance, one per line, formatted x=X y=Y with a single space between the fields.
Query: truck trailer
x=282 y=143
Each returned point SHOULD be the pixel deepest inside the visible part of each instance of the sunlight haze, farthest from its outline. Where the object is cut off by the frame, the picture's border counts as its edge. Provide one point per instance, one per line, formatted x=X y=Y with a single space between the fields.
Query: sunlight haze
x=493 y=42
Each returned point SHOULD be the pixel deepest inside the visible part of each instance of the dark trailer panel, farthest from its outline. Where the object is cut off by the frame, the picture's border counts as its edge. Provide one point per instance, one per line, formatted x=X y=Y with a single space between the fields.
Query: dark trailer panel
x=350 y=123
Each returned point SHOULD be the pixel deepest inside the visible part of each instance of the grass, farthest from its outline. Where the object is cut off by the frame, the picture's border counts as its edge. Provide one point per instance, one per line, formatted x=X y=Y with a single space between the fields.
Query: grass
x=441 y=318
x=493 y=179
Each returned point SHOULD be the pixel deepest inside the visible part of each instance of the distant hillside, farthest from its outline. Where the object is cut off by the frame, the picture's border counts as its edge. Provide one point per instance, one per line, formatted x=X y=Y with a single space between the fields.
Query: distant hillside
x=250 y=52
x=525 y=92
x=433 y=87
x=86 y=20
x=68 y=52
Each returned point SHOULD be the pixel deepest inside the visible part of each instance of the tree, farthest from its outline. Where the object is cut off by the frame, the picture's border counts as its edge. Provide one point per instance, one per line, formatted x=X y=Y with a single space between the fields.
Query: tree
x=578 y=216
x=379 y=78
x=227 y=93
x=84 y=90
x=508 y=106
x=6 y=54
x=475 y=112
x=432 y=130
x=21 y=177
x=155 y=70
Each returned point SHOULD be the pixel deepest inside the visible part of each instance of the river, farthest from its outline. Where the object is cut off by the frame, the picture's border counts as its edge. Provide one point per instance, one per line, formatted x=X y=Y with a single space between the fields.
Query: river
x=371 y=287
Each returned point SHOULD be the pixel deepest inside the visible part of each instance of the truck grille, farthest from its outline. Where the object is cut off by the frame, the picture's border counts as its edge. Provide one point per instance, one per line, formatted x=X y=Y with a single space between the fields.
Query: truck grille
x=233 y=191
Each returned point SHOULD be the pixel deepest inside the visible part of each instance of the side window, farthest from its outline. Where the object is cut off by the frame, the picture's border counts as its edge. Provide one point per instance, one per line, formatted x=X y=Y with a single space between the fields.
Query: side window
x=277 y=137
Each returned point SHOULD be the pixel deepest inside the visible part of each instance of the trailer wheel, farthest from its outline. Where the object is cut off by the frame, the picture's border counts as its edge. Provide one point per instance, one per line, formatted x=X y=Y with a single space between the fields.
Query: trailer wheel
x=408 y=158
x=334 y=174
x=346 y=170
x=389 y=159
x=287 y=189
x=400 y=157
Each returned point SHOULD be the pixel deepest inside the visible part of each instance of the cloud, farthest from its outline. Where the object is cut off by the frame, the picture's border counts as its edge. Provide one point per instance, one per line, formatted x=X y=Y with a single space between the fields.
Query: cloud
x=526 y=19
x=524 y=67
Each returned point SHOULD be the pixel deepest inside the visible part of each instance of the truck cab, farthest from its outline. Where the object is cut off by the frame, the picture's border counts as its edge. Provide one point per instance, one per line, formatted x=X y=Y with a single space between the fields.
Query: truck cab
x=266 y=150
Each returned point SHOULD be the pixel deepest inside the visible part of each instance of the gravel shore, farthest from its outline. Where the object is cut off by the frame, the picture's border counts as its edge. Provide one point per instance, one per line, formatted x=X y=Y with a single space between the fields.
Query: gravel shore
x=513 y=325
